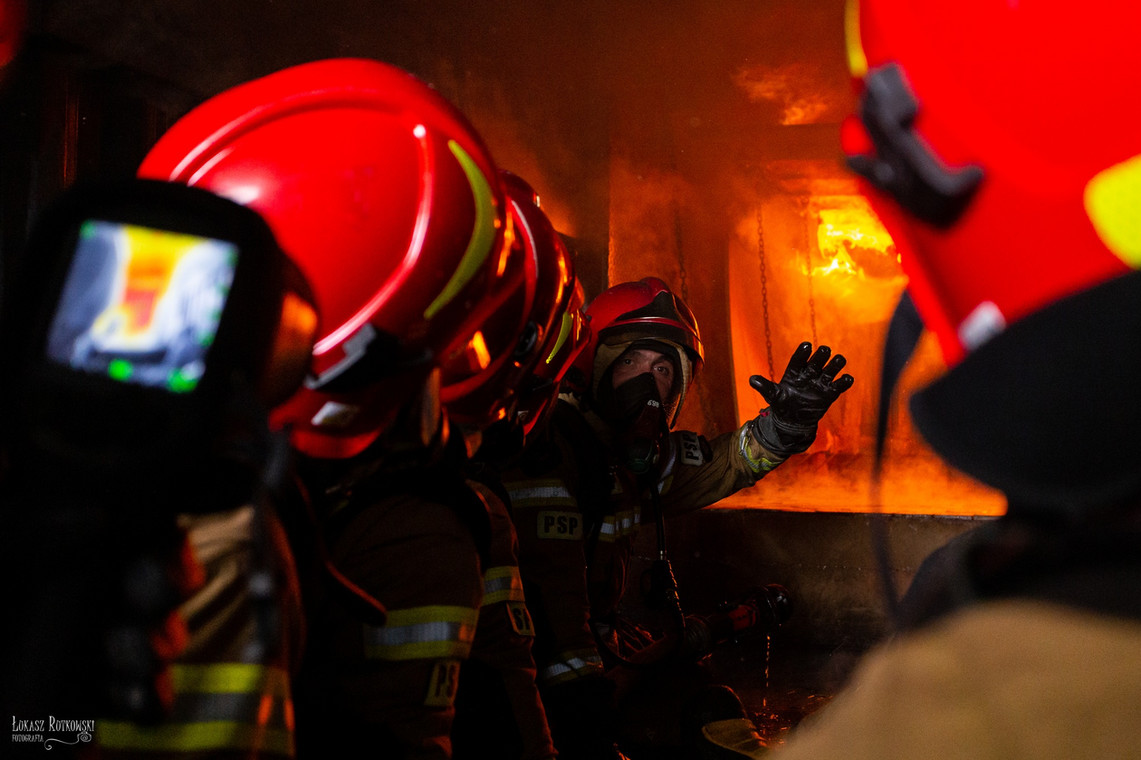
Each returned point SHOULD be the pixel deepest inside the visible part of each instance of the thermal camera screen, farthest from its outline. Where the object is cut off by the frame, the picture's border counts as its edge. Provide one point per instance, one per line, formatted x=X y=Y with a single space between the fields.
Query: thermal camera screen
x=142 y=305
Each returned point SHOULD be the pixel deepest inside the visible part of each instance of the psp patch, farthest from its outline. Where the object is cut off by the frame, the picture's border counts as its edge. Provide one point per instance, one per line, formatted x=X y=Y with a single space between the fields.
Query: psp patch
x=691 y=450
x=560 y=525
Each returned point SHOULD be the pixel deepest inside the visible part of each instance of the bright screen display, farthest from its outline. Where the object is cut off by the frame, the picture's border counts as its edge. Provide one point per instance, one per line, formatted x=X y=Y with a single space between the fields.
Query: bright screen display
x=142 y=305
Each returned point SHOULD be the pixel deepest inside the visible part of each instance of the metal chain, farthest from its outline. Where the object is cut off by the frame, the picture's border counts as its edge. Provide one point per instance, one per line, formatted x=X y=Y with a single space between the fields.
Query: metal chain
x=808 y=272
x=680 y=258
x=685 y=284
x=811 y=298
x=764 y=289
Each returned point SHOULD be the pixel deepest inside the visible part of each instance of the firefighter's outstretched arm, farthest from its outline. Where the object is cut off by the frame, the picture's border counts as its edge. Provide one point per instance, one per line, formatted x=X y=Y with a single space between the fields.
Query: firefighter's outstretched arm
x=798 y=402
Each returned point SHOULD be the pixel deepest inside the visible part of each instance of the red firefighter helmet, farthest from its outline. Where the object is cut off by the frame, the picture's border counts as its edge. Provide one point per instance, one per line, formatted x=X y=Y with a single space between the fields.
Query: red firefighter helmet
x=481 y=383
x=566 y=341
x=999 y=142
x=13 y=20
x=1006 y=136
x=646 y=312
x=389 y=202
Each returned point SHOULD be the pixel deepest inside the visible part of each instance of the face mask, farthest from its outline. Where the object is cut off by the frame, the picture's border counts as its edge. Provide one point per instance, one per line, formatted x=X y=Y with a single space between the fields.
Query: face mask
x=637 y=414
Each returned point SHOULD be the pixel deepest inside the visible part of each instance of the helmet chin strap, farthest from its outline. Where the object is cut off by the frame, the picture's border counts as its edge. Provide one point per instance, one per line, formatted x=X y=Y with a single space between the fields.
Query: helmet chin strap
x=903 y=333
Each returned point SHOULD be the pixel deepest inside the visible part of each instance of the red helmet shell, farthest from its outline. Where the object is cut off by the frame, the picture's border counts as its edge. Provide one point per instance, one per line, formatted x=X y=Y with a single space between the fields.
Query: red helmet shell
x=477 y=380
x=568 y=337
x=385 y=197
x=1040 y=97
x=13 y=20
x=480 y=393
x=642 y=310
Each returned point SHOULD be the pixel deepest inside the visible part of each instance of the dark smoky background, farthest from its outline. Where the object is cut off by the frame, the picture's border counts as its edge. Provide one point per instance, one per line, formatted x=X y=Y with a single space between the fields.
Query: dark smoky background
x=562 y=92
x=695 y=140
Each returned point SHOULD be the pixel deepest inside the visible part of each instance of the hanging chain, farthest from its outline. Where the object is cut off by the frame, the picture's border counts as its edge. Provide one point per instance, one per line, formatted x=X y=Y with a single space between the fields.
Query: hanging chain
x=680 y=257
x=764 y=288
x=684 y=283
x=808 y=272
x=811 y=297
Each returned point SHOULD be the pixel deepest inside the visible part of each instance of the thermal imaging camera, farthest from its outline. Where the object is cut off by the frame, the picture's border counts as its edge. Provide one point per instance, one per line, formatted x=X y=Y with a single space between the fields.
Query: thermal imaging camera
x=148 y=319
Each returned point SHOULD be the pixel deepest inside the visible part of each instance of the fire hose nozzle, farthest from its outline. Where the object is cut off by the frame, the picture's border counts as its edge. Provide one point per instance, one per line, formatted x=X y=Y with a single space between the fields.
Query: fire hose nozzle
x=762 y=610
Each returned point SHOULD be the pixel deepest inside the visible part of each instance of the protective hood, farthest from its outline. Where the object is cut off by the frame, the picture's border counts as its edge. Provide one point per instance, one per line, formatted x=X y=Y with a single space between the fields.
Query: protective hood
x=608 y=352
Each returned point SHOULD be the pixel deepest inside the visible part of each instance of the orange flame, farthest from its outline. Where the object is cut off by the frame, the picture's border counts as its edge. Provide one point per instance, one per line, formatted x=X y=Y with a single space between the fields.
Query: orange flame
x=844 y=290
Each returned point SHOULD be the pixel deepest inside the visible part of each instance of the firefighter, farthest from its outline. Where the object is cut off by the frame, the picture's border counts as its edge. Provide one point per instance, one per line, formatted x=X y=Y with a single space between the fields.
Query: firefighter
x=612 y=463
x=395 y=212
x=1023 y=638
x=528 y=347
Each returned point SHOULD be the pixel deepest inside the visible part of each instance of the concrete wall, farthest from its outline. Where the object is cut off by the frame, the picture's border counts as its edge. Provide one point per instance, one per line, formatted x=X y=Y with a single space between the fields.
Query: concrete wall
x=827 y=560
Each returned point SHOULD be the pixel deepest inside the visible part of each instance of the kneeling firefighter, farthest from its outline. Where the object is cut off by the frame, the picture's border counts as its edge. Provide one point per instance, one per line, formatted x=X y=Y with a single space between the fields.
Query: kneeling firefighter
x=611 y=461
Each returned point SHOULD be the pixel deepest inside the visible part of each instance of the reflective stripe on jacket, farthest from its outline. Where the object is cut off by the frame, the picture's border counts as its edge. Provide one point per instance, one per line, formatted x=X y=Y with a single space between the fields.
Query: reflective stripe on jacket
x=502 y=584
x=567 y=666
x=422 y=633
x=228 y=706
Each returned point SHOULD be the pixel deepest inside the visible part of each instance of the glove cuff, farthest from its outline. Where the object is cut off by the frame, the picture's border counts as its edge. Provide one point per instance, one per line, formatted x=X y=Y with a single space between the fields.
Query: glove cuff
x=781 y=438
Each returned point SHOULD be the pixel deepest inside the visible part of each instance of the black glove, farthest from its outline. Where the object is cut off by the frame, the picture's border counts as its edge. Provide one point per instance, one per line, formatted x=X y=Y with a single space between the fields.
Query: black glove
x=796 y=404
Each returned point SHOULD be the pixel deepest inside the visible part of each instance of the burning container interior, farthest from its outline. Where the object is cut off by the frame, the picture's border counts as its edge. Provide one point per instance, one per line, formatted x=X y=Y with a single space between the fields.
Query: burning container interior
x=696 y=141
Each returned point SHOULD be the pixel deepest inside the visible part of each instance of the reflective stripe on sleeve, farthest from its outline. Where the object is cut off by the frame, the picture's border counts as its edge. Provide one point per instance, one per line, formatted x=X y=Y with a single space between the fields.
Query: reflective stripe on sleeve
x=620 y=524
x=539 y=493
x=760 y=466
x=422 y=633
x=502 y=584
x=231 y=706
x=578 y=663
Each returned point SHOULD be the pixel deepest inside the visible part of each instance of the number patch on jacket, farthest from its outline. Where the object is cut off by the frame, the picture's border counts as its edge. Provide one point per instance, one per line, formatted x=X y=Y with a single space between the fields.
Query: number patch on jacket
x=561 y=525
x=521 y=619
x=445 y=681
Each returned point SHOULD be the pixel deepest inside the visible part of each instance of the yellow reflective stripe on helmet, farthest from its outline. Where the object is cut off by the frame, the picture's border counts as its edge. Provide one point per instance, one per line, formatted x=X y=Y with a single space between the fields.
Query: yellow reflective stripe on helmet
x=570 y=665
x=857 y=60
x=422 y=633
x=482 y=234
x=229 y=706
x=1111 y=199
x=502 y=584
x=564 y=333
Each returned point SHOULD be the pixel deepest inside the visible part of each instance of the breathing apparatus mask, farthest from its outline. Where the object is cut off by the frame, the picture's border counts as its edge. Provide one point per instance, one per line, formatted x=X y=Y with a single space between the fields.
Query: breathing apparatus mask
x=635 y=412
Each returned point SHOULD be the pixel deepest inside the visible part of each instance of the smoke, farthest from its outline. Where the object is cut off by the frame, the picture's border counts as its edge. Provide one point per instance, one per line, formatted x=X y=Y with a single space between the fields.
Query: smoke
x=656 y=135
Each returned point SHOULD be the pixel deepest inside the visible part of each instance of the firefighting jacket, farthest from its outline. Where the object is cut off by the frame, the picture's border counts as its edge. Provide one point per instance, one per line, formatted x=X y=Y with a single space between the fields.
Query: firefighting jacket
x=498 y=709
x=387 y=687
x=577 y=515
x=1008 y=678
x=232 y=687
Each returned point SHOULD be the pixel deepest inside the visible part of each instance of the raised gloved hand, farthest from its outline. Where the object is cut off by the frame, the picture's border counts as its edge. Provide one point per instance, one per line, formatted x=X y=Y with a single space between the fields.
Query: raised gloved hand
x=796 y=404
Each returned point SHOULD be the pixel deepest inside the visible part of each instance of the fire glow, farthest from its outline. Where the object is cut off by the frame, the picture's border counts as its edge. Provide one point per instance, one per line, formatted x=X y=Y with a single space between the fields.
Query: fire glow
x=831 y=271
